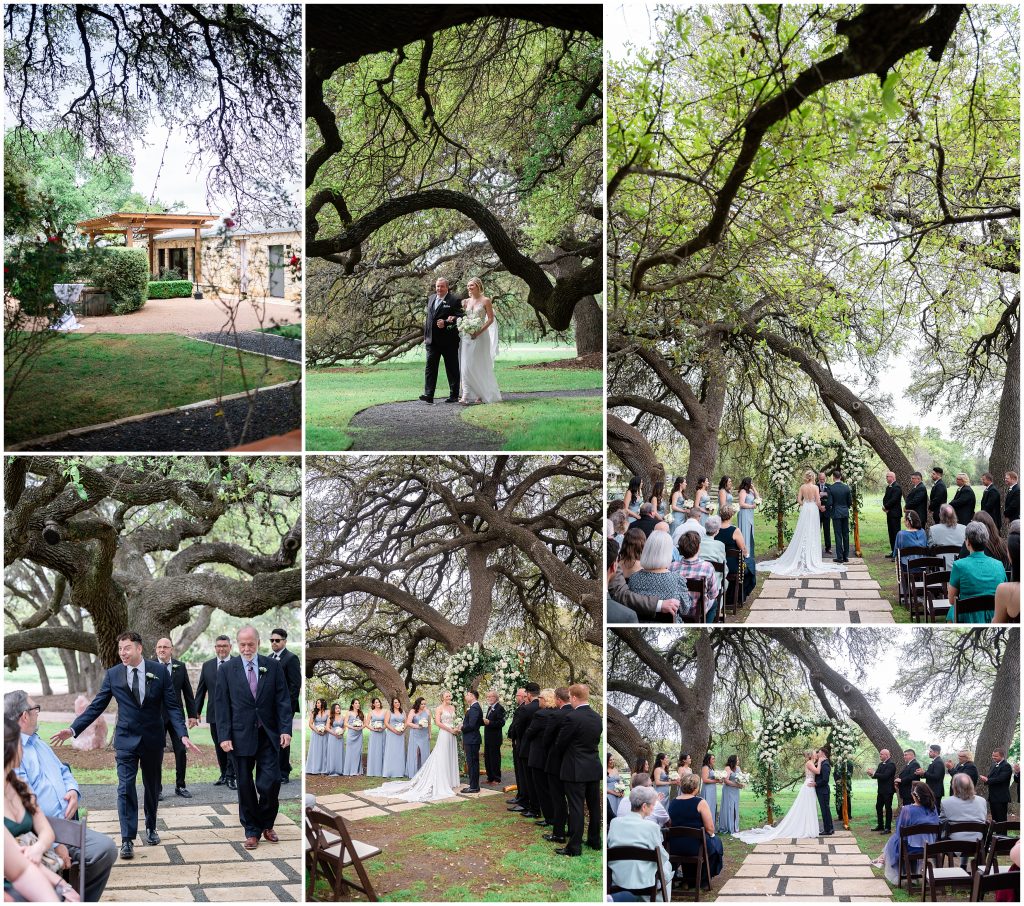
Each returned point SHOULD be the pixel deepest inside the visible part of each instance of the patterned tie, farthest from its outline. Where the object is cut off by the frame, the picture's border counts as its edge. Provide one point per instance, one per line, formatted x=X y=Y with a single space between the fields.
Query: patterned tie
x=252 y=679
x=135 y=686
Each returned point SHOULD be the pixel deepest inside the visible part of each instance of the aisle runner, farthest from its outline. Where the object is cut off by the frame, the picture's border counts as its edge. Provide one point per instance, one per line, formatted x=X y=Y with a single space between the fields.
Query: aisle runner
x=357 y=804
x=850 y=597
x=830 y=867
x=201 y=859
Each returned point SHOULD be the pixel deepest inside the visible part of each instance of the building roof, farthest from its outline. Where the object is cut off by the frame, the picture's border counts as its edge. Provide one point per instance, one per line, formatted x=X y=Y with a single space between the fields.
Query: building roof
x=144 y=221
x=214 y=232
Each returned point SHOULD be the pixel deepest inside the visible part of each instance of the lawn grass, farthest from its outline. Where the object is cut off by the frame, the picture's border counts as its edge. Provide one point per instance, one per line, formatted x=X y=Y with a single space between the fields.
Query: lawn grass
x=291 y=331
x=334 y=395
x=549 y=423
x=88 y=379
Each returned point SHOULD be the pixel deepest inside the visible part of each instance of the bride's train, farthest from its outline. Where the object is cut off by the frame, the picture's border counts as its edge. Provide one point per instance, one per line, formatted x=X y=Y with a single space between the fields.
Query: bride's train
x=437 y=779
x=803 y=556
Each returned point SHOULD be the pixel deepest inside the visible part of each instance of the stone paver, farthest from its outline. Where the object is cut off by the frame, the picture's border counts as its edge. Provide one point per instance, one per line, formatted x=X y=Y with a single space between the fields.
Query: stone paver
x=358 y=804
x=833 y=599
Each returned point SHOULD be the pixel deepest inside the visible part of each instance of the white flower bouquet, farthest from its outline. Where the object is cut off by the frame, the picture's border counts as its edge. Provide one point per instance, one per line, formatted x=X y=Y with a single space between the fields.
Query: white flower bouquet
x=355 y=724
x=423 y=722
x=338 y=732
x=471 y=322
x=377 y=723
x=741 y=777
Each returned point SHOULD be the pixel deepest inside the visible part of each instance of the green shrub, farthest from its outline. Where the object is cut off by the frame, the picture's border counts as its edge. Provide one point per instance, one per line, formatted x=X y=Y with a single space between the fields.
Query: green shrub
x=123 y=274
x=169 y=289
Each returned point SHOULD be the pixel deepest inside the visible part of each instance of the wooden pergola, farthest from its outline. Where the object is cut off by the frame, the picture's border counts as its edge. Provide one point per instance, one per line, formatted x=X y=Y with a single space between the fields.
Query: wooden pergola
x=149 y=224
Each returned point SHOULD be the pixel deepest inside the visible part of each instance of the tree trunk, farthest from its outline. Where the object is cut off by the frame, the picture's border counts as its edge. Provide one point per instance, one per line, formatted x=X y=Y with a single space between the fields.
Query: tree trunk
x=44 y=678
x=632 y=448
x=588 y=321
x=1003 y=707
x=379 y=670
x=1006 y=442
x=626 y=739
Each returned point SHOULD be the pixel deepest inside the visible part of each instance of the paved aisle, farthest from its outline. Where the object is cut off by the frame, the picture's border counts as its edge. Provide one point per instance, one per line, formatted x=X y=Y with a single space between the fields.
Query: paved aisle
x=357 y=804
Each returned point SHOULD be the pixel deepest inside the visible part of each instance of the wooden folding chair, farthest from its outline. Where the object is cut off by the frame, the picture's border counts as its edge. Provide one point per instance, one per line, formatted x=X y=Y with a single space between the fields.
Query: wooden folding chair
x=936 y=877
x=696 y=589
x=720 y=569
x=912 y=830
x=936 y=600
x=901 y=569
x=639 y=854
x=916 y=575
x=72 y=834
x=985 y=884
x=330 y=849
x=965 y=606
x=700 y=861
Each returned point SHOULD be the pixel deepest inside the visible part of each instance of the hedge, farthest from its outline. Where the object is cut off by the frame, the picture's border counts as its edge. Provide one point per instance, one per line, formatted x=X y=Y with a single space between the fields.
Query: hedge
x=123 y=274
x=169 y=289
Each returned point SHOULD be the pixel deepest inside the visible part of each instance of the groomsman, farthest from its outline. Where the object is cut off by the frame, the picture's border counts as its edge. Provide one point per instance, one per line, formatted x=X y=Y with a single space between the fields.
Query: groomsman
x=938 y=494
x=538 y=754
x=825 y=516
x=1012 y=508
x=917 y=498
x=517 y=802
x=935 y=775
x=208 y=687
x=520 y=724
x=553 y=767
x=891 y=501
x=178 y=673
x=964 y=501
x=293 y=678
x=998 y=781
x=494 y=720
x=964 y=766
x=991 y=503
x=905 y=782
x=884 y=775
x=581 y=770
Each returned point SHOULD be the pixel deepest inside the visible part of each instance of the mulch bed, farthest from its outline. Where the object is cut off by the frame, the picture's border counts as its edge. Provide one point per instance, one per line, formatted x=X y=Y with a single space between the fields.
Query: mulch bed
x=256 y=342
x=580 y=363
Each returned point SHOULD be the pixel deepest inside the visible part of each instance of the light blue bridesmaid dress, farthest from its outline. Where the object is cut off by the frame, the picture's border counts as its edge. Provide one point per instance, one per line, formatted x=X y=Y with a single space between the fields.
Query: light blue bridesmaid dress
x=703 y=500
x=419 y=743
x=375 y=748
x=394 y=748
x=709 y=793
x=335 y=750
x=353 y=750
x=316 y=757
x=729 y=813
x=745 y=523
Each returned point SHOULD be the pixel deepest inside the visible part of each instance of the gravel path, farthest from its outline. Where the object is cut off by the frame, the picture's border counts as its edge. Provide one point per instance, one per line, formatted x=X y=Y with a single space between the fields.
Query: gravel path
x=275 y=411
x=260 y=343
x=418 y=426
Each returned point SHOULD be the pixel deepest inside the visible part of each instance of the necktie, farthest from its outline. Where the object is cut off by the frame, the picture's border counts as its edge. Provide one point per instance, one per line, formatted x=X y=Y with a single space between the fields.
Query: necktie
x=252 y=679
x=220 y=664
x=135 y=686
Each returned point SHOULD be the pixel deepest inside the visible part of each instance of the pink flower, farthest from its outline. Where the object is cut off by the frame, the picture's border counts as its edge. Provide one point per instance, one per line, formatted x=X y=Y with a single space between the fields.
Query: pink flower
x=228 y=222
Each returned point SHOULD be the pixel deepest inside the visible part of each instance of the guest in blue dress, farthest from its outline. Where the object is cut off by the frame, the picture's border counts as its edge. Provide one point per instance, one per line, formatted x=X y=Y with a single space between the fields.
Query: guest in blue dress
x=910 y=536
x=394 y=740
x=417 y=724
x=335 y=741
x=375 y=748
x=316 y=757
x=677 y=497
x=702 y=500
x=729 y=813
x=633 y=498
x=661 y=779
x=354 y=722
x=745 y=521
x=709 y=785
x=921 y=811
x=690 y=810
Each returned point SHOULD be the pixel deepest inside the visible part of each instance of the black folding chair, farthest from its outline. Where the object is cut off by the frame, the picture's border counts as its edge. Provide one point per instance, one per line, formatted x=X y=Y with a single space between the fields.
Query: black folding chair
x=72 y=834
x=985 y=884
x=906 y=858
x=936 y=877
x=719 y=568
x=639 y=854
x=700 y=861
x=696 y=589
x=936 y=595
x=965 y=606
x=901 y=569
x=916 y=574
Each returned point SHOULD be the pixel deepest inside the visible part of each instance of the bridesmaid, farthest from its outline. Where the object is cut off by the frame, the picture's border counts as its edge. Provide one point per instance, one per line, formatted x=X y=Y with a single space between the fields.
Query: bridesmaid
x=316 y=757
x=417 y=724
x=632 y=498
x=729 y=814
x=745 y=520
x=662 y=782
x=642 y=766
x=394 y=740
x=709 y=790
x=683 y=769
x=724 y=493
x=375 y=750
x=657 y=499
x=702 y=500
x=335 y=741
x=354 y=721
x=613 y=786
x=675 y=501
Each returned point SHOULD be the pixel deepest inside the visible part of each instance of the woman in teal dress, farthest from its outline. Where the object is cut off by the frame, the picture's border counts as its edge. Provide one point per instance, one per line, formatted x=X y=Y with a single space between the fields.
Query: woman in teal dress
x=375 y=749
x=354 y=722
x=394 y=741
x=974 y=576
x=661 y=779
x=316 y=757
x=417 y=724
x=745 y=521
x=729 y=813
x=709 y=785
x=335 y=741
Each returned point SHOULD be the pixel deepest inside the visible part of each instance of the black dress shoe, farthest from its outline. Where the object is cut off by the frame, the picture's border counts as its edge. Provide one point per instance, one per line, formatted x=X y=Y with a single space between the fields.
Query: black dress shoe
x=529 y=814
x=516 y=808
x=555 y=838
x=512 y=801
x=286 y=780
x=452 y=399
x=232 y=783
x=151 y=838
x=426 y=399
x=828 y=550
x=827 y=834
x=470 y=789
x=181 y=791
x=220 y=781
x=564 y=851
x=127 y=849
x=160 y=796
x=542 y=823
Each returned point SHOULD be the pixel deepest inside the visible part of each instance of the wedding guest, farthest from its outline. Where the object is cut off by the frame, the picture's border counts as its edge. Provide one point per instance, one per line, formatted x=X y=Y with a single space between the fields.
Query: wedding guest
x=691 y=524
x=620 y=525
x=1008 y=593
x=577 y=744
x=623 y=605
x=964 y=502
x=631 y=551
x=417 y=726
x=965 y=765
x=964 y=804
x=538 y=754
x=920 y=810
x=659 y=814
x=648 y=520
x=177 y=672
x=615 y=506
x=394 y=741
x=991 y=502
x=677 y=500
x=633 y=829
x=729 y=813
x=633 y=498
x=995 y=547
x=1011 y=509
x=354 y=721
x=22 y=814
x=661 y=779
x=748 y=498
x=709 y=784
x=905 y=782
x=690 y=566
x=702 y=499
x=317 y=757
x=998 y=781
x=946 y=532
x=917 y=498
x=24 y=881
x=938 y=494
x=207 y=687
x=891 y=500
x=289 y=662
x=974 y=576
x=884 y=776
x=911 y=535
x=935 y=774
x=57 y=792
x=553 y=767
x=711 y=549
x=690 y=810
x=614 y=788
x=735 y=549
x=375 y=748
x=684 y=767
x=335 y=741
x=654 y=578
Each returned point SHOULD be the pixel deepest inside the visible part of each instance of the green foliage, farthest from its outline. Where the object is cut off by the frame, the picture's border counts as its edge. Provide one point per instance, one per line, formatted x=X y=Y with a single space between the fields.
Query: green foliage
x=124 y=274
x=168 y=289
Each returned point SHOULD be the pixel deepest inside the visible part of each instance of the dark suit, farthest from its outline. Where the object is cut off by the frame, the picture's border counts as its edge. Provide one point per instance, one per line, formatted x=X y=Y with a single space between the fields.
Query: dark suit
x=917 y=500
x=442 y=343
x=821 y=791
x=891 y=503
x=992 y=504
x=182 y=691
x=964 y=503
x=138 y=737
x=538 y=758
x=524 y=715
x=581 y=772
x=208 y=687
x=646 y=524
x=495 y=714
x=999 y=789
x=472 y=723
x=512 y=735
x=908 y=777
x=935 y=777
x=842 y=502
x=1012 y=508
x=254 y=726
x=885 y=773
x=826 y=516
x=968 y=768
x=293 y=679
x=936 y=498
x=553 y=769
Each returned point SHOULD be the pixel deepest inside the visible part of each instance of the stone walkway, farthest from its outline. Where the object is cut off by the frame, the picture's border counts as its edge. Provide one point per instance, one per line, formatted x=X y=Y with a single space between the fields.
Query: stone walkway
x=825 y=868
x=357 y=805
x=850 y=597
x=201 y=859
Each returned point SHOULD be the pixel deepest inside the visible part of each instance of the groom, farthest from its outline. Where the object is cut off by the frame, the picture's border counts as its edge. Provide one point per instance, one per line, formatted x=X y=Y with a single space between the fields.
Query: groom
x=820 y=784
x=841 y=498
x=441 y=337
x=471 y=725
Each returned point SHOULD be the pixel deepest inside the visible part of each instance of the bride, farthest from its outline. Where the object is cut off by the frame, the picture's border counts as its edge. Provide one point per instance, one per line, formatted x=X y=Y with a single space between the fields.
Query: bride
x=803 y=556
x=438 y=777
x=802 y=818
x=478 y=350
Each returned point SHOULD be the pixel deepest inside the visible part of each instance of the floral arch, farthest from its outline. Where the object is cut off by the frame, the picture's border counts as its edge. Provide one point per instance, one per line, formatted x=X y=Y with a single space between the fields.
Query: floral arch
x=507 y=668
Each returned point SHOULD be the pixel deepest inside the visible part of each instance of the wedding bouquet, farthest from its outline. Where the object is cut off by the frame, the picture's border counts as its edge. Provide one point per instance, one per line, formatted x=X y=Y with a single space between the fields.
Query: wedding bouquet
x=355 y=724
x=400 y=729
x=377 y=723
x=471 y=322
x=320 y=728
x=422 y=722
x=741 y=777
x=712 y=775
x=338 y=732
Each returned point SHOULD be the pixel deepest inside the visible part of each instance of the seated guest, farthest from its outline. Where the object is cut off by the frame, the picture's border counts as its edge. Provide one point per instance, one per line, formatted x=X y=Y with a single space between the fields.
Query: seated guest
x=711 y=549
x=26 y=882
x=920 y=811
x=976 y=575
x=692 y=524
x=630 y=550
x=690 y=810
x=654 y=577
x=615 y=506
x=619 y=526
x=735 y=547
x=912 y=535
x=648 y=519
x=609 y=529
x=995 y=547
x=625 y=606
x=667 y=529
x=947 y=531
x=1008 y=593
x=56 y=792
x=963 y=804
x=633 y=829
x=658 y=814
x=690 y=566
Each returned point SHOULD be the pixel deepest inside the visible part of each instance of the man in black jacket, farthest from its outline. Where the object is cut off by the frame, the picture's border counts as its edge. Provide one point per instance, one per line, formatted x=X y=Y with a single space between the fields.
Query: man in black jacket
x=182 y=686
x=938 y=494
x=964 y=501
x=647 y=520
x=991 y=502
x=935 y=774
x=884 y=775
x=538 y=756
x=293 y=677
x=1011 y=509
x=208 y=687
x=965 y=765
x=998 y=781
x=553 y=767
x=825 y=516
x=917 y=498
x=517 y=802
x=905 y=782
x=891 y=505
x=494 y=721
x=441 y=338
x=581 y=772
x=517 y=732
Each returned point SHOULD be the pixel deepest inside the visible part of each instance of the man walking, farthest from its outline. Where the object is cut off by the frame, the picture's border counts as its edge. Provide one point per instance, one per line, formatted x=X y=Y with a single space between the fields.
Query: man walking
x=293 y=679
x=208 y=687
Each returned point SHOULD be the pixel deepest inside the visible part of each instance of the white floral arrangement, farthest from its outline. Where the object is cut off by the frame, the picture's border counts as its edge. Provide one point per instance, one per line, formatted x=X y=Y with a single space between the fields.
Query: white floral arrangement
x=507 y=668
x=338 y=731
x=741 y=777
x=787 y=455
x=423 y=722
x=853 y=460
x=377 y=723
x=471 y=322
x=355 y=724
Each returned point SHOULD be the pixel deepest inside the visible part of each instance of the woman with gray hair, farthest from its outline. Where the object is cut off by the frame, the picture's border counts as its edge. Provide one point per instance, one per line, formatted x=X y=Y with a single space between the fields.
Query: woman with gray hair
x=963 y=804
x=654 y=577
x=634 y=829
x=947 y=531
x=974 y=576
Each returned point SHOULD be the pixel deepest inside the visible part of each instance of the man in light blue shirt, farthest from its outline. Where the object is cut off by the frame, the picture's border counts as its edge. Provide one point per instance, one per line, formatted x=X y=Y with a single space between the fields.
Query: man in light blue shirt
x=57 y=792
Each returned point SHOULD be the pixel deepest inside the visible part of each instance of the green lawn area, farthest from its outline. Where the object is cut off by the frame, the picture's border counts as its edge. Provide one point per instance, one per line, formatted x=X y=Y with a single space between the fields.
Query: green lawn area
x=89 y=379
x=291 y=331
x=334 y=395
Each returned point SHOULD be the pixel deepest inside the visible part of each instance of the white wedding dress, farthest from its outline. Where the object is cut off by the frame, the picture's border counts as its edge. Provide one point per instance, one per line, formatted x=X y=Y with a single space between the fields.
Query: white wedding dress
x=800 y=821
x=476 y=363
x=803 y=556
x=437 y=778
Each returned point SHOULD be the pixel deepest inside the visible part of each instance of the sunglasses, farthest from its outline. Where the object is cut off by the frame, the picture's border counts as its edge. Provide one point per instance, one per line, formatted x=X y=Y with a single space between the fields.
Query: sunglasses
x=279 y=640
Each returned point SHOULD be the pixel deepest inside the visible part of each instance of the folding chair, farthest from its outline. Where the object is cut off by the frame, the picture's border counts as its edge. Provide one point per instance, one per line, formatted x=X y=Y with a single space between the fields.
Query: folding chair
x=936 y=600
x=72 y=834
x=965 y=606
x=935 y=876
x=916 y=574
x=720 y=569
x=330 y=849
x=912 y=830
x=983 y=884
x=700 y=861
x=696 y=589
x=901 y=568
x=639 y=854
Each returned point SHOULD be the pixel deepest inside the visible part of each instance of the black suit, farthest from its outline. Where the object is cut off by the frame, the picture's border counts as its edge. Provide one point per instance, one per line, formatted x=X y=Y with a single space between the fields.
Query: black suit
x=908 y=777
x=935 y=777
x=293 y=679
x=917 y=500
x=646 y=524
x=495 y=715
x=842 y=504
x=537 y=758
x=472 y=724
x=524 y=716
x=577 y=743
x=1012 y=508
x=821 y=791
x=936 y=498
x=825 y=517
x=885 y=773
x=182 y=691
x=966 y=767
x=208 y=687
x=512 y=733
x=965 y=503
x=999 y=789
x=992 y=504
x=891 y=503
x=553 y=769
x=442 y=343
